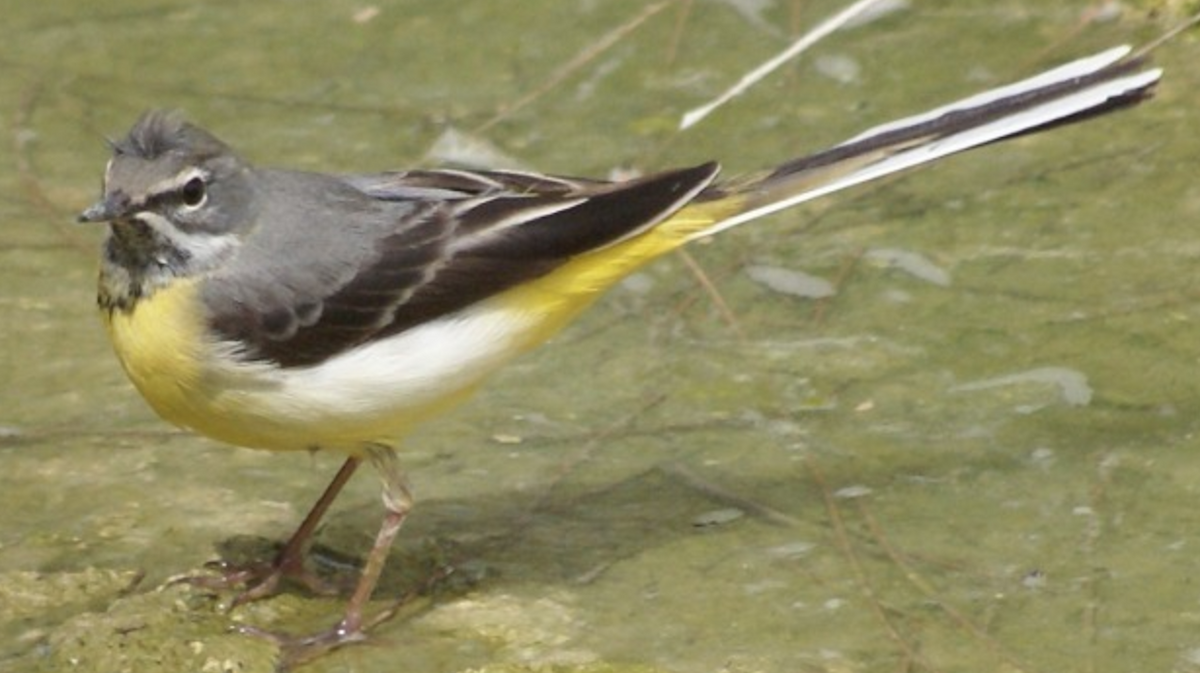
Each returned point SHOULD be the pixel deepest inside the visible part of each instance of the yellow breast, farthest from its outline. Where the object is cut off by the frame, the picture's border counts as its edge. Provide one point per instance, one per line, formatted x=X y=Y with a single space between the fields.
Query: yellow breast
x=159 y=341
x=192 y=381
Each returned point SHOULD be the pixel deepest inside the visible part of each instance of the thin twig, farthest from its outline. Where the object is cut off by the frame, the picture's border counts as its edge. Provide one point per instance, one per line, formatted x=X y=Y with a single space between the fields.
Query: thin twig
x=713 y=293
x=584 y=455
x=1167 y=36
x=830 y=25
x=583 y=58
x=685 y=12
x=839 y=282
x=725 y=496
x=31 y=182
x=864 y=583
x=931 y=594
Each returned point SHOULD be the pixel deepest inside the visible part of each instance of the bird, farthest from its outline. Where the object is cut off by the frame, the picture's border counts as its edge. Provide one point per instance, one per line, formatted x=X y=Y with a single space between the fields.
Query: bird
x=300 y=311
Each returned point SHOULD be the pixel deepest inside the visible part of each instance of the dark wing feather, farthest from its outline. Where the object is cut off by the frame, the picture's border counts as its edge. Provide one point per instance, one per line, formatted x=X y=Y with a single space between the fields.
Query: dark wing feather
x=454 y=238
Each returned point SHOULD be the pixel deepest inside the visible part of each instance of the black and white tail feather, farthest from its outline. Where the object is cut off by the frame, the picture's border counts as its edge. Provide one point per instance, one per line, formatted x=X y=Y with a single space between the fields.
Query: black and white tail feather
x=1071 y=92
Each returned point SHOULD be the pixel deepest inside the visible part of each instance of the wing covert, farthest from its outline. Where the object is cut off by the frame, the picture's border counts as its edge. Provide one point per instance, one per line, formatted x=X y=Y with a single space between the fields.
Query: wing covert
x=417 y=246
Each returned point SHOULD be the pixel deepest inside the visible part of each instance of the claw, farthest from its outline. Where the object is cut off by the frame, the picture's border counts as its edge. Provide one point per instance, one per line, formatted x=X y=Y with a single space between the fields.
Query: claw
x=267 y=579
x=262 y=580
x=297 y=650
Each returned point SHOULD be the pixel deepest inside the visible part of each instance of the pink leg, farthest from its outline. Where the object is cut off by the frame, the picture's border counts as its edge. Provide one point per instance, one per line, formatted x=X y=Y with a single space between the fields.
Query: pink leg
x=289 y=563
x=397 y=501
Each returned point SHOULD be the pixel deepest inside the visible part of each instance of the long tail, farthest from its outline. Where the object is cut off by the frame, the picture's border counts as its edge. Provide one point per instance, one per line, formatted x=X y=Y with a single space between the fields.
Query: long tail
x=1068 y=93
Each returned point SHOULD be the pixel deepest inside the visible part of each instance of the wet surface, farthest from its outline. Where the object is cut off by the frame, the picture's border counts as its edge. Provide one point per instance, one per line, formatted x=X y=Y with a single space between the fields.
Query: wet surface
x=979 y=453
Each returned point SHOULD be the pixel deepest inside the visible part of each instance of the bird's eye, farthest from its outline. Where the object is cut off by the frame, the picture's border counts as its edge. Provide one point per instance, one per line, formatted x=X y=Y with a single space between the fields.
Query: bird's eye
x=193 y=192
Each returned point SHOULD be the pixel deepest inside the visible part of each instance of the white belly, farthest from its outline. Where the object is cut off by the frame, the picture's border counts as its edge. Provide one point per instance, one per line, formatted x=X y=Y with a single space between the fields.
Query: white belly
x=376 y=392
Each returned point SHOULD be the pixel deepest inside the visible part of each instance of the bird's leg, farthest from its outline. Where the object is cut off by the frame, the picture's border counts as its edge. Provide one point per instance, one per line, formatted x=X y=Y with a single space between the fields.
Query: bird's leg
x=397 y=501
x=265 y=578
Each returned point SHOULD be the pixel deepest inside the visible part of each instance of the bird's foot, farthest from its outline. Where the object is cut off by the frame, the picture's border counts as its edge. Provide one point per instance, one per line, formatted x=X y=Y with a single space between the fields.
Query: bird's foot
x=260 y=579
x=297 y=650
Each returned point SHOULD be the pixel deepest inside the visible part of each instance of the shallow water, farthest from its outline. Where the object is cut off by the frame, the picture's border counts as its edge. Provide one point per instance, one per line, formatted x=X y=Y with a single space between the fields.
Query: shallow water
x=994 y=473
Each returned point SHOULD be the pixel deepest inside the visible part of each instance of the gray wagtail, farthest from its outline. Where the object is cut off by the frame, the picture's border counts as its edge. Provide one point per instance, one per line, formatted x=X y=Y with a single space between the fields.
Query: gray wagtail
x=295 y=311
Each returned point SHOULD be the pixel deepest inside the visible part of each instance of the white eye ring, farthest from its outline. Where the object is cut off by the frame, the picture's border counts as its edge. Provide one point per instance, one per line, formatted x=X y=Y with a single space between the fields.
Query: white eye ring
x=194 y=193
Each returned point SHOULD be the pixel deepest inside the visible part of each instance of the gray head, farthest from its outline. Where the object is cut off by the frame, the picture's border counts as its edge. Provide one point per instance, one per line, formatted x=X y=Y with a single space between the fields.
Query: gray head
x=176 y=198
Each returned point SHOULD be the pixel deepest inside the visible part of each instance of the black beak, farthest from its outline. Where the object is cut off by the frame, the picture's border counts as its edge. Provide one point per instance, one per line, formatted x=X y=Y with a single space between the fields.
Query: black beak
x=107 y=209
